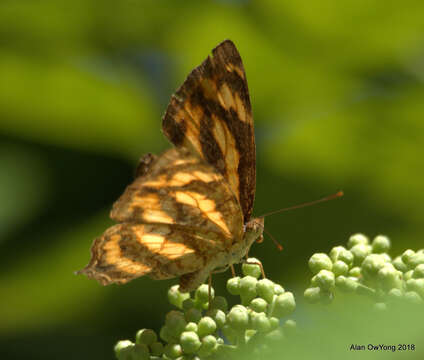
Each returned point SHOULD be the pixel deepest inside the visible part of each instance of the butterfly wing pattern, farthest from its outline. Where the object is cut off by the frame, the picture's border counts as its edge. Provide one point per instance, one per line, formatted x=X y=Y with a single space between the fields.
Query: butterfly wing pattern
x=188 y=210
x=211 y=115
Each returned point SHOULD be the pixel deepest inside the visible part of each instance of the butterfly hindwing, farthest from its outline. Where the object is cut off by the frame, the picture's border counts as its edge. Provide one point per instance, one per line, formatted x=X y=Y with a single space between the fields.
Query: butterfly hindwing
x=211 y=115
x=127 y=251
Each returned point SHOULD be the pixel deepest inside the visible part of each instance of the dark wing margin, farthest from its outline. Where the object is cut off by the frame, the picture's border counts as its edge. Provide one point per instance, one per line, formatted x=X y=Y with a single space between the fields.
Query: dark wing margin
x=211 y=115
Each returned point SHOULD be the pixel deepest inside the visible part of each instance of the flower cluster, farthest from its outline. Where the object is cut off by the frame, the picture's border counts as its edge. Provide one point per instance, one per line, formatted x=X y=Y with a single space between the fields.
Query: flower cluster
x=200 y=329
x=367 y=269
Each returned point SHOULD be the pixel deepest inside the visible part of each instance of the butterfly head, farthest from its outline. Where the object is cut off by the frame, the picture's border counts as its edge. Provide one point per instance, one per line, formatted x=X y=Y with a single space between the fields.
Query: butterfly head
x=252 y=232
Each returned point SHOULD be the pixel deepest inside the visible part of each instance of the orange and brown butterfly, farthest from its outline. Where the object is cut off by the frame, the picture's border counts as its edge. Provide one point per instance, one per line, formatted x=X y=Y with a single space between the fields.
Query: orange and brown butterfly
x=188 y=211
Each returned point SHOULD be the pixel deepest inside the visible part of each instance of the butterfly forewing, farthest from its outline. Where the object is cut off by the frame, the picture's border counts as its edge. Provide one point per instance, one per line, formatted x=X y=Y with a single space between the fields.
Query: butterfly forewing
x=211 y=115
x=181 y=189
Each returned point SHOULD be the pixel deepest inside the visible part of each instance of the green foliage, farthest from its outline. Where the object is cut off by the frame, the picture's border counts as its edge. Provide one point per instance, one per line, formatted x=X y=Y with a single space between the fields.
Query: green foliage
x=336 y=91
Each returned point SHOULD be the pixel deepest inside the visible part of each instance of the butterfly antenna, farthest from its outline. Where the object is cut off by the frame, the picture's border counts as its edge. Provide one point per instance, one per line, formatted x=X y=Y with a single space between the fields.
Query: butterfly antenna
x=277 y=244
x=327 y=198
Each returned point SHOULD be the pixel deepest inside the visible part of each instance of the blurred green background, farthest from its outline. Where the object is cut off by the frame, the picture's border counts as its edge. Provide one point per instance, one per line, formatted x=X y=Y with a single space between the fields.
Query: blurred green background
x=337 y=94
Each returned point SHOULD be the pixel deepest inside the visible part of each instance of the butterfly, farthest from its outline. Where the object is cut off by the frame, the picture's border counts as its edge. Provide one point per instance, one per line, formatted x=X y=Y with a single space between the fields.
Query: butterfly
x=187 y=213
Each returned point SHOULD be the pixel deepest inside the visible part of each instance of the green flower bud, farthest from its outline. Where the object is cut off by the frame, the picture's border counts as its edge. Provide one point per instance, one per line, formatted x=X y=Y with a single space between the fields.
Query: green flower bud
x=175 y=297
x=274 y=322
x=278 y=289
x=156 y=348
x=173 y=350
x=145 y=336
x=415 y=260
x=275 y=336
x=188 y=304
x=355 y=272
x=416 y=285
x=407 y=255
x=209 y=341
x=248 y=288
x=394 y=295
x=381 y=244
x=418 y=272
x=413 y=298
x=261 y=323
x=389 y=277
x=284 y=305
x=233 y=285
x=340 y=268
x=371 y=265
x=312 y=295
x=141 y=352
x=289 y=327
x=191 y=326
x=365 y=290
x=199 y=305
x=175 y=322
x=339 y=253
x=186 y=357
x=386 y=257
x=206 y=326
x=327 y=297
x=399 y=264
x=265 y=289
x=249 y=334
x=408 y=275
x=325 y=280
x=318 y=262
x=238 y=317
x=357 y=239
x=360 y=252
x=124 y=350
x=218 y=316
x=258 y=305
x=230 y=333
x=346 y=284
x=340 y=282
x=193 y=315
x=167 y=335
x=250 y=269
x=202 y=293
x=381 y=306
x=190 y=342
x=208 y=346
x=220 y=303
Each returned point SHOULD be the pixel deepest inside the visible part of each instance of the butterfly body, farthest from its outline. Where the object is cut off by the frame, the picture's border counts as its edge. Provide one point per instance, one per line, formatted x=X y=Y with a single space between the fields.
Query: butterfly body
x=187 y=213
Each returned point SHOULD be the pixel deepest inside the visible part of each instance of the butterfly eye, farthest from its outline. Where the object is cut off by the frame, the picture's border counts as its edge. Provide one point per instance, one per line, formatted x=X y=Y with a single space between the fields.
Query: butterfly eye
x=260 y=239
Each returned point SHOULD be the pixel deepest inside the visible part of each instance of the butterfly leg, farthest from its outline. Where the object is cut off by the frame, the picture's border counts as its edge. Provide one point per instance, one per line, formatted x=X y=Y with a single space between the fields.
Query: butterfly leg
x=219 y=270
x=233 y=272
x=256 y=263
x=210 y=291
